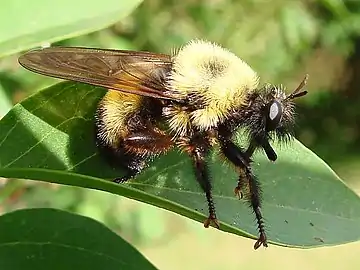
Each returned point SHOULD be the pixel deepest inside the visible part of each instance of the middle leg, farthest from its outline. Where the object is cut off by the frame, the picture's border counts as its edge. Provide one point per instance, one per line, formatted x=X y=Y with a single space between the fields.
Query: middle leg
x=198 y=149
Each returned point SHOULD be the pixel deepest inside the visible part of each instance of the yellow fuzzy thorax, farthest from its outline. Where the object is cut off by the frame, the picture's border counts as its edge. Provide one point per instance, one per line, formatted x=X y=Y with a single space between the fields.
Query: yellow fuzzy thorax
x=213 y=77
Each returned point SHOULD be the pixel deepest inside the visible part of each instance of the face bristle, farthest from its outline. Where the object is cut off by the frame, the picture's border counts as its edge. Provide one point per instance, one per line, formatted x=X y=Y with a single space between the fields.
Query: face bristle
x=269 y=115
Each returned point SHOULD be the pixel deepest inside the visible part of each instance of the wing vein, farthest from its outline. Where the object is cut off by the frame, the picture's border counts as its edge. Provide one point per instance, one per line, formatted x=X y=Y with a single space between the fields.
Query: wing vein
x=141 y=73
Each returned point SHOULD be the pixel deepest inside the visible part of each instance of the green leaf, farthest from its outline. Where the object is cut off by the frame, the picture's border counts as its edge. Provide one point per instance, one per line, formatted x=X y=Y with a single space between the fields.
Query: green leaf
x=53 y=239
x=337 y=7
x=49 y=137
x=42 y=21
x=5 y=101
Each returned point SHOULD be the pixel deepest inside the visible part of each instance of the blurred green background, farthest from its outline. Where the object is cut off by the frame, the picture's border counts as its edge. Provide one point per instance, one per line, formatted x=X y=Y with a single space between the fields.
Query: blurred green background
x=282 y=40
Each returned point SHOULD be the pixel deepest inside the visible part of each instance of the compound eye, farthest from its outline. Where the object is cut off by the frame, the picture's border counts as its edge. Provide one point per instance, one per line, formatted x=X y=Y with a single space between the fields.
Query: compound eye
x=274 y=114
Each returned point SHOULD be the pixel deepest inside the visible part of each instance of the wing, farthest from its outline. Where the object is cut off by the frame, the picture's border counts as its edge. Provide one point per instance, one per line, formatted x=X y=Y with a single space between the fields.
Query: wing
x=133 y=72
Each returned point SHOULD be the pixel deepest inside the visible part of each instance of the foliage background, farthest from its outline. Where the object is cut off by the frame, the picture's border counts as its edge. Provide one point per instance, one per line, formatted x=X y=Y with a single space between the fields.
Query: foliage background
x=282 y=40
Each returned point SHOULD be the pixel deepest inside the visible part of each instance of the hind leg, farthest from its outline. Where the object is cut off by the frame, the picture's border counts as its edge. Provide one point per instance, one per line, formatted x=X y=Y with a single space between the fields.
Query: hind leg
x=138 y=148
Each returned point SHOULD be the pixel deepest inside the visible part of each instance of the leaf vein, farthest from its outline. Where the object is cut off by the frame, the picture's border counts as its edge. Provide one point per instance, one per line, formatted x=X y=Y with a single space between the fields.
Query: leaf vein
x=82 y=161
x=41 y=105
x=41 y=140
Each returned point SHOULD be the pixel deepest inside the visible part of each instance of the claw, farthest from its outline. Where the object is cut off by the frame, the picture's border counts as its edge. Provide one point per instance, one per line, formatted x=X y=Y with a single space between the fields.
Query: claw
x=261 y=241
x=211 y=220
x=238 y=193
x=120 y=180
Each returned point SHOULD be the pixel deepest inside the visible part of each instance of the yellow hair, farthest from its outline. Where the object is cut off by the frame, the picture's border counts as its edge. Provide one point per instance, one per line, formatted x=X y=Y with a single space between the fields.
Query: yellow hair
x=116 y=107
x=212 y=76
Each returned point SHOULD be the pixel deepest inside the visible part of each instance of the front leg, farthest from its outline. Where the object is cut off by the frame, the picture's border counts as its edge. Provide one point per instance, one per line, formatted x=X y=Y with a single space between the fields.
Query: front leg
x=242 y=162
x=264 y=144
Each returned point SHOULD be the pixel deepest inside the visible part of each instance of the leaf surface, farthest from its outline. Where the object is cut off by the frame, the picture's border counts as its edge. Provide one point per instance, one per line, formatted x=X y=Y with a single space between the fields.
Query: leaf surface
x=40 y=21
x=49 y=137
x=54 y=239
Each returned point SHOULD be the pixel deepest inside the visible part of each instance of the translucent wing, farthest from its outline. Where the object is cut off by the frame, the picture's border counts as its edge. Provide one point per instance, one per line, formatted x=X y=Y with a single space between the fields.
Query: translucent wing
x=133 y=72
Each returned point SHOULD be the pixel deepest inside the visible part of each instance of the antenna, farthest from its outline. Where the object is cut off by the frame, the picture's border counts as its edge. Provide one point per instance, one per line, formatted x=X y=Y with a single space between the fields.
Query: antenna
x=297 y=92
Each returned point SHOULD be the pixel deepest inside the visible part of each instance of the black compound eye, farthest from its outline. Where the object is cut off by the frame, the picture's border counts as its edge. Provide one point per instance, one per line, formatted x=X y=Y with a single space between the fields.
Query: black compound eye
x=274 y=113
